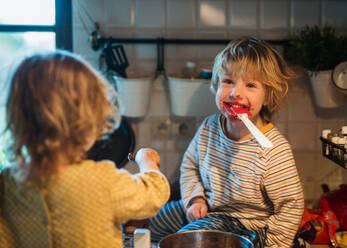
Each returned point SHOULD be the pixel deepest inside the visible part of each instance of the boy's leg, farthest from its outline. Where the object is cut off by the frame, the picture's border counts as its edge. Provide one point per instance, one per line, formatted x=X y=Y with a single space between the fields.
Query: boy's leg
x=169 y=220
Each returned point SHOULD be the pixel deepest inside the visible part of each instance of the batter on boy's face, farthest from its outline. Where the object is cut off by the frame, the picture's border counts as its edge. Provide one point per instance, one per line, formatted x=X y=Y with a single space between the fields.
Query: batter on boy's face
x=236 y=91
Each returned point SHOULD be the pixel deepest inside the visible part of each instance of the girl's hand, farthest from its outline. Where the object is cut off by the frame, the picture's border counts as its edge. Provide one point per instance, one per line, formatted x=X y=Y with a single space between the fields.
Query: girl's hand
x=147 y=159
x=197 y=209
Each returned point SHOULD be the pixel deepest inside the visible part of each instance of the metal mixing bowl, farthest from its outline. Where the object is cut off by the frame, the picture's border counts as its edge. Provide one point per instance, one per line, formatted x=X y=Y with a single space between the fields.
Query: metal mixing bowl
x=205 y=239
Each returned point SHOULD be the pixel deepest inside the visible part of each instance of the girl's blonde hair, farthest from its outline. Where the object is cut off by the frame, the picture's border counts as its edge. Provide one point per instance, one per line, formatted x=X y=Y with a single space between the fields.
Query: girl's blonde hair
x=254 y=59
x=57 y=105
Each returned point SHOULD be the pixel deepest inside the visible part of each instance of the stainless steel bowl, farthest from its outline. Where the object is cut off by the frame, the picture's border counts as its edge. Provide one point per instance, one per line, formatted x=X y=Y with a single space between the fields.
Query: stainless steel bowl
x=205 y=239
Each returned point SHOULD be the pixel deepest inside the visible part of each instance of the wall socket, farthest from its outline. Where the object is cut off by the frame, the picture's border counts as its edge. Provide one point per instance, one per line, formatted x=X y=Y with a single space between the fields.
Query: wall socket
x=184 y=129
x=165 y=128
x=161 y=129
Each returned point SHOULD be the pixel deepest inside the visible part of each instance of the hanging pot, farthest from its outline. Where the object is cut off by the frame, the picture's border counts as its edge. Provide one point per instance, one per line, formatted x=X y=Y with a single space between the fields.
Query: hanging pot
x=339 y=77
x=325 y=93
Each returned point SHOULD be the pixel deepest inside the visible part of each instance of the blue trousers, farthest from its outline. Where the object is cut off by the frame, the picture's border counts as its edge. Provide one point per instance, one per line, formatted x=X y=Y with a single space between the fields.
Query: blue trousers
x=172 y=218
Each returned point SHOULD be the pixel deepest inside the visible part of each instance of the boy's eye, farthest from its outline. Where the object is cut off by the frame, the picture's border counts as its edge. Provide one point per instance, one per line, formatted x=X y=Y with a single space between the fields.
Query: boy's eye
x=250 y=85
x=227 y=81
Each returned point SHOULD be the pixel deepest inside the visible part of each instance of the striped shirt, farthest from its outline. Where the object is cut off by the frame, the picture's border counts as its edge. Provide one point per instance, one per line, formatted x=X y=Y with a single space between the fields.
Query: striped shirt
x=260 y=187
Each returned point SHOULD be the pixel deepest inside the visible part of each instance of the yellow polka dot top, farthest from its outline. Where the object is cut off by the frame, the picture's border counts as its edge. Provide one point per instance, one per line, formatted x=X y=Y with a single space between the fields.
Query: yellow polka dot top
x=82 y=206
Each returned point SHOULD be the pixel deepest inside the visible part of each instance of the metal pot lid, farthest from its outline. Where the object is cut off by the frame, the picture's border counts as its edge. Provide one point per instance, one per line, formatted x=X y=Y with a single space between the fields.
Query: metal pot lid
x=339 y=76
x=116 y=146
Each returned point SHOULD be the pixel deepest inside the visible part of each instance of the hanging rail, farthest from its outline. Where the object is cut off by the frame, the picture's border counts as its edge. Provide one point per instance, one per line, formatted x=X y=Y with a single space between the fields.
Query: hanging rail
x=97 y=41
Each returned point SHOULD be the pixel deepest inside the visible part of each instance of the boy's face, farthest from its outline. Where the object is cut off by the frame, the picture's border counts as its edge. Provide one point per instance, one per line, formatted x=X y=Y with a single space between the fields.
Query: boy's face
x=249 y=94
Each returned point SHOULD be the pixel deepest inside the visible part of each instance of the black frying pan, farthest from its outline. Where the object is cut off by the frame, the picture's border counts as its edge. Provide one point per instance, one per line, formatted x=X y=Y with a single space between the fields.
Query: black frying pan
x=116 y=146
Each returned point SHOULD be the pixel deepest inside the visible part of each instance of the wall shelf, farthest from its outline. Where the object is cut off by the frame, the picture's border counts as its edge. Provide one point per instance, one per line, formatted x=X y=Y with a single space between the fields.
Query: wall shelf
x=334 y=152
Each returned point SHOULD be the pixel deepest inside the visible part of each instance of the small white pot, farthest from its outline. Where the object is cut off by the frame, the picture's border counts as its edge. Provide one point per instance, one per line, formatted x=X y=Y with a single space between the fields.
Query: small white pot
x=134 y=95
x=191 y=97
x=325 y=93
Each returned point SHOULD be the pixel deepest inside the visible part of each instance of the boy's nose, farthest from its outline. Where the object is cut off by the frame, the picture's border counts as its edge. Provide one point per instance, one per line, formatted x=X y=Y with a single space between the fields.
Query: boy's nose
x=236 y=92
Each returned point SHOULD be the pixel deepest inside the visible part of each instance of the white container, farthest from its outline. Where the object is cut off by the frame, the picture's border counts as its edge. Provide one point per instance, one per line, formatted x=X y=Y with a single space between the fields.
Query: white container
x=325 y=93
x=191 y=97
x=325 y=133
x=344 y=131
x=134 y=95
x=142 y=238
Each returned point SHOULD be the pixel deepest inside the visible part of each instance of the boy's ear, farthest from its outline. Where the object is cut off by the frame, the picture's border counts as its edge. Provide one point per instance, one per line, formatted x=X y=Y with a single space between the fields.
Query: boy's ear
x=212 y=89
x=266 y=99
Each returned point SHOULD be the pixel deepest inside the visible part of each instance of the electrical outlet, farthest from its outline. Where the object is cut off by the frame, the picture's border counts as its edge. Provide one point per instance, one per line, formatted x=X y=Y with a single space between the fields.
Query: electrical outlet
x=161 y=128
x=184 y=129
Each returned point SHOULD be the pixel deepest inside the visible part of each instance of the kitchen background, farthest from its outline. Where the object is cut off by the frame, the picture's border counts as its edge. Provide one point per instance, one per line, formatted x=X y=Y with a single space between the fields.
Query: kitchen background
x=299 y=119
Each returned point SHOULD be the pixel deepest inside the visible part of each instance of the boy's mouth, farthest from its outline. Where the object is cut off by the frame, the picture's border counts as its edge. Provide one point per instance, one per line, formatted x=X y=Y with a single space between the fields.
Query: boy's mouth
x=235 y=108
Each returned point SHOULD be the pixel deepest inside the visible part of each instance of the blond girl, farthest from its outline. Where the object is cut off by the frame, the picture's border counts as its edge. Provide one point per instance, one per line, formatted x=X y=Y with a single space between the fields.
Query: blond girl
x=52 y=196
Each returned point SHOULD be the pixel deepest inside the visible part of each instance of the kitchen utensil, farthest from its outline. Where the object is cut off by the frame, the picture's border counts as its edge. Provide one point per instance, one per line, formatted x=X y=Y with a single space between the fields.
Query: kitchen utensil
x=205 y=239
x=339 y=76
x=243 y=114
x=116 y=58
x=233 y=111
x=131 y=156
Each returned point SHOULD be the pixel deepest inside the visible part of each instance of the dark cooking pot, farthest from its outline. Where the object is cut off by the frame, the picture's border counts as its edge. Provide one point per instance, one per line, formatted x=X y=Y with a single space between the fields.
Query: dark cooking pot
x=116 y=146
x=205 y=239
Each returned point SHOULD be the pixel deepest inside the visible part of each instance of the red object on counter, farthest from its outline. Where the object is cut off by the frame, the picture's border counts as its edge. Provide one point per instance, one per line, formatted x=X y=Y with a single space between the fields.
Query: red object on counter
x=336 y=201
x=318 y=226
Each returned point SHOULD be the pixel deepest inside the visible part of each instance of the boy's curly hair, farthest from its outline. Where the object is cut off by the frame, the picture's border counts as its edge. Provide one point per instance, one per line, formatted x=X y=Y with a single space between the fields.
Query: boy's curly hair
x=57 y=105
x=254 y=59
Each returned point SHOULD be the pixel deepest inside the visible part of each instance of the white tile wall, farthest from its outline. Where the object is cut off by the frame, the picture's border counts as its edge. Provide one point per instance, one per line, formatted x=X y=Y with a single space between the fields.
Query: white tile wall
x=301 y=107
x=149 y=13
x=298 y=119
x=118 y=13
x=334 y=13
x=88 y=12
x=212 y=13
x=181 y=52
x=274 y=14
x=181 y=14
x=171 y=165
x=302 y=135
x=81 y=43
x=206 y=52
x=244 y=14
x=305 y=12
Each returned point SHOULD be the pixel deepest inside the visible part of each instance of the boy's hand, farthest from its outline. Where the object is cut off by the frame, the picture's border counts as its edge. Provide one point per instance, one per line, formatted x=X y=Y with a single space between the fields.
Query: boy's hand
x=197 y=209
